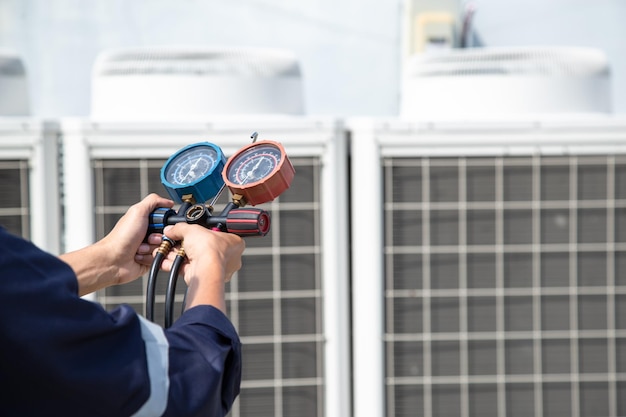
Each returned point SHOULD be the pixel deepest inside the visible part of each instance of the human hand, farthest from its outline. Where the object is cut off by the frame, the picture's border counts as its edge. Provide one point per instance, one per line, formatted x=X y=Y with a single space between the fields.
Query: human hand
x=211 y=260
x=125 y=245
x=121 y=256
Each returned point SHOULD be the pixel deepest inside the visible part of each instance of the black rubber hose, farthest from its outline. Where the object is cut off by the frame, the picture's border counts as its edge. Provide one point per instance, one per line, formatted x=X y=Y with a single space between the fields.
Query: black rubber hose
x=151 y=290
x=170 y=295
x=166 y=245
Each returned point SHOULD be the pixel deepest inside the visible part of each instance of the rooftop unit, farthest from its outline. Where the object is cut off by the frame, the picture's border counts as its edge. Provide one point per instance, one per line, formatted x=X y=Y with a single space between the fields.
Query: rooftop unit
x=29 y=181
x=519 y=81
x=494 y=282
x=186 y=83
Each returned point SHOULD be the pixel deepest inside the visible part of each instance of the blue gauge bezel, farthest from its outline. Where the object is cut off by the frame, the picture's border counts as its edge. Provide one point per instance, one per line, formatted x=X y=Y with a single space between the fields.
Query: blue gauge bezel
x=205 y=187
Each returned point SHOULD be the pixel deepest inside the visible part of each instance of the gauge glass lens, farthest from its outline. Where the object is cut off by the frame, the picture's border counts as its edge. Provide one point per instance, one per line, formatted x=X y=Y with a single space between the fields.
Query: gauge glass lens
x=254 y=164
x=192 y=165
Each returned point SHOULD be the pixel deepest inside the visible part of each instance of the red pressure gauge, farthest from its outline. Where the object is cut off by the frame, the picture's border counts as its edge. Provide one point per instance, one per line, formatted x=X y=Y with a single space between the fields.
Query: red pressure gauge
x=259 y=172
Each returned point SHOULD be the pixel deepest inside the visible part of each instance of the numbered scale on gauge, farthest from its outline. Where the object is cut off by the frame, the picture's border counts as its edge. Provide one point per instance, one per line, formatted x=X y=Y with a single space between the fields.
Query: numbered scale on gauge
x=259 y=172
x=194 y=171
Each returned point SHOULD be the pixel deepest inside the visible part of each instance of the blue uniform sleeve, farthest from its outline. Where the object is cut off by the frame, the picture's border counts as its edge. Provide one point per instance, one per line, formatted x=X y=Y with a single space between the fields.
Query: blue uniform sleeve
x=205 y=363
x=62 y=355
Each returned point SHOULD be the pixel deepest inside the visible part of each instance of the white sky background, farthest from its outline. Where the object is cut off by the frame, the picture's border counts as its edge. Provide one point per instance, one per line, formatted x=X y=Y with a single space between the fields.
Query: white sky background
x=349 y=50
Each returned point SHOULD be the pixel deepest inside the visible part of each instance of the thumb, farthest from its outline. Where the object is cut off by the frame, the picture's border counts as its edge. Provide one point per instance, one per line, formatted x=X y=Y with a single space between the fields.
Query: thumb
x=176 y=232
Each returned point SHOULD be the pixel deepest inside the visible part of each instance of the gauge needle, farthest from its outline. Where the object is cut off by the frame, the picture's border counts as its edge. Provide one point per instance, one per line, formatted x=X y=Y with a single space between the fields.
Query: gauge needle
x=257 y=164
x=249 y=174
x=192 y=169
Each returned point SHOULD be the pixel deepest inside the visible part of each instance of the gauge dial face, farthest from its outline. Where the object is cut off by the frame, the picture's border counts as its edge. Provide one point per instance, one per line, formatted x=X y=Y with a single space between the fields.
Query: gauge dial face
x=258 y=173
x=254 y=164
x=192 y=165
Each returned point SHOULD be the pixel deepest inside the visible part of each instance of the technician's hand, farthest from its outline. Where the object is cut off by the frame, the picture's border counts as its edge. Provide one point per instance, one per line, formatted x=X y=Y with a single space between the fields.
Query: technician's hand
x=212 y=259
x=121 y=256
x=130 y=255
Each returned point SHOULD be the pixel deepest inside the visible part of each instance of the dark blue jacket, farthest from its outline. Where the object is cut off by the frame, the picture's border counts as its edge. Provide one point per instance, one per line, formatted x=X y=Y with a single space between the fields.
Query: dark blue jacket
x=63 y=355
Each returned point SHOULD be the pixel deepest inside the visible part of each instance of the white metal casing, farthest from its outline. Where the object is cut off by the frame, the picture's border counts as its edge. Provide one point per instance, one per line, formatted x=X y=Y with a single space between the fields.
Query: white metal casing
x=376 y=138
x=37 y=142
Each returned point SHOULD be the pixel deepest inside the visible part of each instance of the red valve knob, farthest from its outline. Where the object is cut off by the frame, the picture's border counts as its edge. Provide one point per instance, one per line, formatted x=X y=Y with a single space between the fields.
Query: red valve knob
x=248 y=222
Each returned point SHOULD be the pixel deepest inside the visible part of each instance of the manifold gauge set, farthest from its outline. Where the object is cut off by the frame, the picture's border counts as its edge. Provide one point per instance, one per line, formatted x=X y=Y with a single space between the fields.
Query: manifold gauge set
x=198 y=173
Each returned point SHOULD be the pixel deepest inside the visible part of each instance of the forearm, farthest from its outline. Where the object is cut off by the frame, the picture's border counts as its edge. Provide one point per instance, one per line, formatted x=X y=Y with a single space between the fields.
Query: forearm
x=92 y=267
x=207 y=289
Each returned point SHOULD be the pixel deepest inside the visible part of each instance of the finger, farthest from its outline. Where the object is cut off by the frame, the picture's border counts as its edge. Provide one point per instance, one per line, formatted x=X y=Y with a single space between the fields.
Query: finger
x=178 y=231
x=155 y=239
x=154 y=200
x=144 y=248
x=175 y=232
x=144 y=259
x=167 y=263
x=150 y=203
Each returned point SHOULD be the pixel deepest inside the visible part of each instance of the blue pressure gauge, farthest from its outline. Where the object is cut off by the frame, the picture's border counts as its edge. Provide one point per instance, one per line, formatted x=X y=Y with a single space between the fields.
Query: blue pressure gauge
x=194 y=170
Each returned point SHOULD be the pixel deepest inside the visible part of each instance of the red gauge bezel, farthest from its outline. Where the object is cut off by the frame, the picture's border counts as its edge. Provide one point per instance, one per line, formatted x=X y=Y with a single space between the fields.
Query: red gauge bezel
x=268 y=188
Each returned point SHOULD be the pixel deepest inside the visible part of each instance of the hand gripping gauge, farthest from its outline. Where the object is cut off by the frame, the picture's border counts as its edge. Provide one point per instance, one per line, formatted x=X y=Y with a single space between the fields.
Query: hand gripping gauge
x=258 y=172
